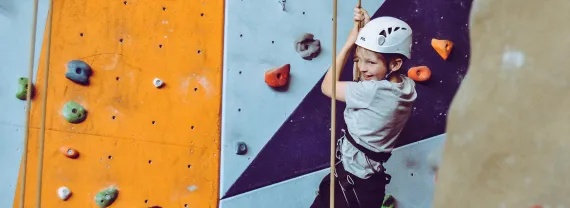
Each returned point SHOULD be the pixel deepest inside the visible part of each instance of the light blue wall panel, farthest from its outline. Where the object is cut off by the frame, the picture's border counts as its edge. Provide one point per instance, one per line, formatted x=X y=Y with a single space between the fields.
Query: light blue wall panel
x=259 y=35
x=15 y=32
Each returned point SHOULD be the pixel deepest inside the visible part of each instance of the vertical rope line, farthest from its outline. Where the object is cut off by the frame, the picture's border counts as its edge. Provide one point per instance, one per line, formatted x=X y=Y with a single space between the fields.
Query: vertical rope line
x=44 y=101
x=358 y=25
x=28 y=104
x=333 y=106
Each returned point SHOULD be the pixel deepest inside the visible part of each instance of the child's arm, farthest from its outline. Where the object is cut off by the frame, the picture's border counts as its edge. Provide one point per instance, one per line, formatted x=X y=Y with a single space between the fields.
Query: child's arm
x=326 y=87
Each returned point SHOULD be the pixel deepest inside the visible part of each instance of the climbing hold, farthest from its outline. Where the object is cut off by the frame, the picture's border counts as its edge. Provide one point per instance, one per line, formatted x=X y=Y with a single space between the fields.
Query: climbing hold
x=64 y=193
x=106 y=197
x=307 y=46
x=278 y=77
x=389 y=201
x=23 y=88
x=419 y=73
x=241 y=148
x=74 y=113
x=79 y=72
x=69 y=152
x=442 y=47
x=157 y=83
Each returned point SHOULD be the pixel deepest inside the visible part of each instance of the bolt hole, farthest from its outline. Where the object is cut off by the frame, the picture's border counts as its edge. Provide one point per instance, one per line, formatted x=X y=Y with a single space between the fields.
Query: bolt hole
x=195 y=89
x=117 y=78
x=74 y=111
x=110 y=157
x=146 y=201
x=303 y=13
x=239 y=72
x=153 y=122
x=241 y=35
x=113 y=117
x=125 y=2
x=160 y=46
x=272 y=42
x=239 y=110
x=199 y=51
x=102 y=200
x=192 y=127
x=186 y=205
x=149 y=161
x=279 y=76
x=78 y=70
x=79 y=115
x=121 y=40
x=418 y=73
x=163 y=8
x=412 y=174
x=81 y=34
x=189 y=166
x=202 y=14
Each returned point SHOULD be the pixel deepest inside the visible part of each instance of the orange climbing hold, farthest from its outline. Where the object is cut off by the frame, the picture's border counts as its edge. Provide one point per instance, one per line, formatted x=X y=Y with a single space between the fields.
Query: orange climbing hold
x=69 y=152
x=442 y=47
x=419 y=73
x=278 y=77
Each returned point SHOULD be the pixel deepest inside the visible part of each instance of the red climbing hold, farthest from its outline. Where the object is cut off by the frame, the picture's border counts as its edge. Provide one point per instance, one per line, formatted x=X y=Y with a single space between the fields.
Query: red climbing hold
x=278 y=77
x=442 y=47
x=69 y=152
x=419 y=73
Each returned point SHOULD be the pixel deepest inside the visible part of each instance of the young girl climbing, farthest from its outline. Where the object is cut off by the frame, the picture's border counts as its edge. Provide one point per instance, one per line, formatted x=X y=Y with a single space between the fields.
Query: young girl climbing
x=377 y=108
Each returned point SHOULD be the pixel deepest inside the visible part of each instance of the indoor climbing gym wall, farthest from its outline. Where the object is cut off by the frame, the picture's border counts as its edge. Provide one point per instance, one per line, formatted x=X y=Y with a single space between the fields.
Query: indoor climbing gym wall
x=16 y=19
x=276 y=129
x=133 y=105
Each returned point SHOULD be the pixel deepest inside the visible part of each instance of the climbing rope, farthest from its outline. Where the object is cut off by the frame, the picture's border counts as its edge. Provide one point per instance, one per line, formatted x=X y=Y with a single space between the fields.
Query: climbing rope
x=44 y=102
x=28 y=104
x=333 y=107
x=357 y=25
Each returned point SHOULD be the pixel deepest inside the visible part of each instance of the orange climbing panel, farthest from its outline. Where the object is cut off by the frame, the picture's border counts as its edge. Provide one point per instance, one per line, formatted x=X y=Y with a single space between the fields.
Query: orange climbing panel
x=159 y=147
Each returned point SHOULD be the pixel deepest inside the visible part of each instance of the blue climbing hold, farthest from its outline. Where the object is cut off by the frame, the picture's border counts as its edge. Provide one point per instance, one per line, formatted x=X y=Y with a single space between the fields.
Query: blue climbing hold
x=79 y=72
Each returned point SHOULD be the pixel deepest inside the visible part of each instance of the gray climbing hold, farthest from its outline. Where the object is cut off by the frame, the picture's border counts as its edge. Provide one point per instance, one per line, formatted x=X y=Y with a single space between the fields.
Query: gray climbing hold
x=106 y=197
x=79 y=72
x=23 y=88
x=74 y=113
x=241 y=148
x=307 y=46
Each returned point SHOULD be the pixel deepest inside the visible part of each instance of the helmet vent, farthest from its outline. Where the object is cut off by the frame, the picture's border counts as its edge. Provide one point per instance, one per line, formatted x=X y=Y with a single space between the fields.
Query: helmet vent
x=390 y=30
x=396 y=29
x=383 y=33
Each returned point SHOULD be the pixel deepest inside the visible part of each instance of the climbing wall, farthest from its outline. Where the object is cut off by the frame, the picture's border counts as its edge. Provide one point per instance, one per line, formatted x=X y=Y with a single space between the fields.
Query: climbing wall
x=287 y=130
x=157 y=146
x=16 y=26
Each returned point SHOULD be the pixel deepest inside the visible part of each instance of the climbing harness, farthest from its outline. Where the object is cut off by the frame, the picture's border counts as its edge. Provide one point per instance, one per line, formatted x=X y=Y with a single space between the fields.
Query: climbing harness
x=345 y=180
x=28 y=104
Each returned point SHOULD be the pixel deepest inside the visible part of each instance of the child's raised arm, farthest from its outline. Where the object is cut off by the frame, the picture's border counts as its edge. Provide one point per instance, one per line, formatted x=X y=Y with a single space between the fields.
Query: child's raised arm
x=326 y=87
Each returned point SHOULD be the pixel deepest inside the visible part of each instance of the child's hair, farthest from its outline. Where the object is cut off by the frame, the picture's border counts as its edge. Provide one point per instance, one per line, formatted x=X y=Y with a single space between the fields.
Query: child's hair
x=387 y=57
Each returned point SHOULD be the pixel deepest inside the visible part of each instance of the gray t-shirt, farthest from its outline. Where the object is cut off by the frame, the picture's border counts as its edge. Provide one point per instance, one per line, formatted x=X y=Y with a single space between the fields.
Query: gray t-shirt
x=376 y=112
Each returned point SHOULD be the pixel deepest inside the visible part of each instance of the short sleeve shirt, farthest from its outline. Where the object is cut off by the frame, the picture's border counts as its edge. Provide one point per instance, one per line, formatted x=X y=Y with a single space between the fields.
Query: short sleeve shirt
x=375 y=114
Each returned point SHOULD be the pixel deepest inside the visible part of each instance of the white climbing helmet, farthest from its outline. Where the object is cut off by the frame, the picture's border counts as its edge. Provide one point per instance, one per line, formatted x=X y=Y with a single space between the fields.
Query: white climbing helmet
x=386 y=35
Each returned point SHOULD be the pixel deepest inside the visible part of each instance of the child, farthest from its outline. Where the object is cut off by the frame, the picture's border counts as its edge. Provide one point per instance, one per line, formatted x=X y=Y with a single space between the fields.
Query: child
x=377 y=108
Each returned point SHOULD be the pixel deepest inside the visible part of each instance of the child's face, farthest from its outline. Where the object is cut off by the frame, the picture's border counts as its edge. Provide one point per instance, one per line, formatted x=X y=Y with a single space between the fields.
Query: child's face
x=372 y=65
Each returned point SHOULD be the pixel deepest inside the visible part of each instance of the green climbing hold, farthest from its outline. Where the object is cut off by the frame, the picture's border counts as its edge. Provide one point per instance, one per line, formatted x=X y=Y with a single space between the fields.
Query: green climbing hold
x=74 y=113
x=106 y=197
x=23 y=88
x=389 y=201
